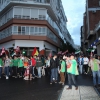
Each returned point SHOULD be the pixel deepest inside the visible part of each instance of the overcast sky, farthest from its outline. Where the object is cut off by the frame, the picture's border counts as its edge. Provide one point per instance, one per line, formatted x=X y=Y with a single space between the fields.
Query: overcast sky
x=74 y=10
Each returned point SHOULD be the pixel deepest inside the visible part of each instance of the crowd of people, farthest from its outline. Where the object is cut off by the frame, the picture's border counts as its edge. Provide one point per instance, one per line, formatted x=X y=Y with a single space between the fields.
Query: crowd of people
x=64 y=65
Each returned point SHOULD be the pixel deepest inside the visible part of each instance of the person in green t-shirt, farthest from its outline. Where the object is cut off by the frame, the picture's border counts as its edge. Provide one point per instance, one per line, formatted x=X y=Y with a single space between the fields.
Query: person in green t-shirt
x=72 y=72
x=1 y=65
x=62 y=71
x=15 y=66
x=94 y=64
x=20 y=67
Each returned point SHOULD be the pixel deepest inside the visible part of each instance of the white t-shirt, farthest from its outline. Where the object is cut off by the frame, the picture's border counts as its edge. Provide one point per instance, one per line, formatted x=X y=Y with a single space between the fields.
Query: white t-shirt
x=86 y=60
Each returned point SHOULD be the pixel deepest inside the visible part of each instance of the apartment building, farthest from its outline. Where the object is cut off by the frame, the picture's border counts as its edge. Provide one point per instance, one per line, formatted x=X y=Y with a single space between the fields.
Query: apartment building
x=32 y=23
x=90 y=33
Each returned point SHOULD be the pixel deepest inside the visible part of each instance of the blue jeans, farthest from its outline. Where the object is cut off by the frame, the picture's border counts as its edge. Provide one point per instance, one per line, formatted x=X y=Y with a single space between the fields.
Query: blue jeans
x=81 y=69
x=52 y=74
x=39 y=71
x=33 y=71
x=56 y=73
x=0 y=71
x=94 y=77
x=71 y=77
x=10 y=70
x=7 y=71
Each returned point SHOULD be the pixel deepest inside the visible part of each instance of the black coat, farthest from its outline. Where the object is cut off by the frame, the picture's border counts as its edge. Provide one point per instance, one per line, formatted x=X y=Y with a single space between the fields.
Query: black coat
x=53 y=63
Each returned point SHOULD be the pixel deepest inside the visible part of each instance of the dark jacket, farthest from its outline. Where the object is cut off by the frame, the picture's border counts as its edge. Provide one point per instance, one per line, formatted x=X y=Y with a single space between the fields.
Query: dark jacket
x=39 y=63
x=53 y=63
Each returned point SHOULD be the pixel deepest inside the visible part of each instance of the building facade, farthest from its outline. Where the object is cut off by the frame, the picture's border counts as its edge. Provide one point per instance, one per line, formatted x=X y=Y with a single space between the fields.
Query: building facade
x=90 y=29
x=32 y=23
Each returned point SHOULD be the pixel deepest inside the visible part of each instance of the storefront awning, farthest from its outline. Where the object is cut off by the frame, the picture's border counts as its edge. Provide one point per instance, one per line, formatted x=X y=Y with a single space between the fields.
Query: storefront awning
x=76 y=52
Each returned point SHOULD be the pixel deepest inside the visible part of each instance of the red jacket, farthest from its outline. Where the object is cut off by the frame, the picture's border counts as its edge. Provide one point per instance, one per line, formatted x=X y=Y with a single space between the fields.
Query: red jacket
x=33 y=62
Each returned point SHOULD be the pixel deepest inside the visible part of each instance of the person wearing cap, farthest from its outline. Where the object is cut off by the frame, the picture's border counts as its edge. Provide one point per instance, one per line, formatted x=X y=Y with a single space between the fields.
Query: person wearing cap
x=72 y=72
x=94 y=64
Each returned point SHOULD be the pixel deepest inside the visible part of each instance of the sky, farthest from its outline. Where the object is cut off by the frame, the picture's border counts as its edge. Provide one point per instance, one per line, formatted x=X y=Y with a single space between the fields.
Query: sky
x=74 y=10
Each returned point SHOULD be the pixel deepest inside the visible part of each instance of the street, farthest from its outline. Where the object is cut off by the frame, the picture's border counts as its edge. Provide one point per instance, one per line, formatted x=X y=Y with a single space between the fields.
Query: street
x=37 y=89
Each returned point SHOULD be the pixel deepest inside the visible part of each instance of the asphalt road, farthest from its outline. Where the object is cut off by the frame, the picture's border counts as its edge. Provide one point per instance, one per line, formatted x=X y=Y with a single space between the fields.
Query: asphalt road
x=37 y=89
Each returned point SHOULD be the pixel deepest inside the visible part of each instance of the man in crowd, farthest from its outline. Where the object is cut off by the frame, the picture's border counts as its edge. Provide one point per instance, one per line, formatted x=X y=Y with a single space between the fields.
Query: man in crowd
x=72 y=72
x=53 y=66
x=94 y=64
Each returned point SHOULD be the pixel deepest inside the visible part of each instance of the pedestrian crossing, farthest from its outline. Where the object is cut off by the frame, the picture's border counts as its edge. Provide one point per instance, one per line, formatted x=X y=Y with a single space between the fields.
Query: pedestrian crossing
x=83 y=93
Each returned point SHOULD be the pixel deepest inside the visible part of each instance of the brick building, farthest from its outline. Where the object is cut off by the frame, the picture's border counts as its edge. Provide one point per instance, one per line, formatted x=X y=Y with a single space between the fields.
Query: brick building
x=90 y=30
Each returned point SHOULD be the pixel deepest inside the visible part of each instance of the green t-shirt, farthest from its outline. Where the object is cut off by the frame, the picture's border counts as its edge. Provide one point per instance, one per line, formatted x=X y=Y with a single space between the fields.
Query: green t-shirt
x=63 y=66
x=1 y=63
x=20 y=63
x=73 y=68
x=95 y=65
x=11 y=63
x=15 y=62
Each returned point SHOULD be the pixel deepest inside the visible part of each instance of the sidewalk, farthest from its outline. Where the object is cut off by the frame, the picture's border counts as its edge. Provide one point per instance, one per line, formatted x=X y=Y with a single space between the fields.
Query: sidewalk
x=83 y=93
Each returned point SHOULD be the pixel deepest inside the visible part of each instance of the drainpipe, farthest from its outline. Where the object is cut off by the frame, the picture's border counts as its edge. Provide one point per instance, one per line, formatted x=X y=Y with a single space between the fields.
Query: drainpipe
x=88 y=20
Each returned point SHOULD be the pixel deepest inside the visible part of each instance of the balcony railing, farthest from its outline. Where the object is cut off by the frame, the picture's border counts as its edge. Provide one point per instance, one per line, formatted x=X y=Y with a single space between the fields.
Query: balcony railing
x=2 y=6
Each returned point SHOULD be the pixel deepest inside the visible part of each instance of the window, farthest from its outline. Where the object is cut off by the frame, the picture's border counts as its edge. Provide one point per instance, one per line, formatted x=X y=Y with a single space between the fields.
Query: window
x=43 y=29
x=23 y=30
x=42 y=14
x=34 y=13
x=15 y=29
x=26 y=13
x=19 y=29
x=17 y=12
x=27 y=30
x=42 y=17
x=31 y=30
x=36 y=29
x=40 y=30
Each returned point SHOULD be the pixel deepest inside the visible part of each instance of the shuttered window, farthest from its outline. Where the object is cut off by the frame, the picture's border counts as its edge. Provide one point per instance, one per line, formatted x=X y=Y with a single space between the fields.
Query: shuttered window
x=34 y=13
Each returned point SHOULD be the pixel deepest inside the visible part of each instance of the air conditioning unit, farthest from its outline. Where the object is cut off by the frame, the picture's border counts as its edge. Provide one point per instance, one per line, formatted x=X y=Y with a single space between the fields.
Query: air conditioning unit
x=94 y=11
x=91 y=32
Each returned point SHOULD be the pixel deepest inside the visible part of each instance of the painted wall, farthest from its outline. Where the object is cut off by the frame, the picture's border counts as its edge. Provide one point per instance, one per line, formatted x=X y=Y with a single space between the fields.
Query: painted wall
x=7 y=44
x=49 y=46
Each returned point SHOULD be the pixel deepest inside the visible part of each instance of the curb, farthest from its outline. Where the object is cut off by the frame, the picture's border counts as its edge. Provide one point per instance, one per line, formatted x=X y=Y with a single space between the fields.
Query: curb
x=61 y=93
x=97 y=91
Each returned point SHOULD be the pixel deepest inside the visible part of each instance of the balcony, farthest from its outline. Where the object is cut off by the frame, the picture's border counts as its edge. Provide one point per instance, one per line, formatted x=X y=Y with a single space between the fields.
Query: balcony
x=4 y=4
